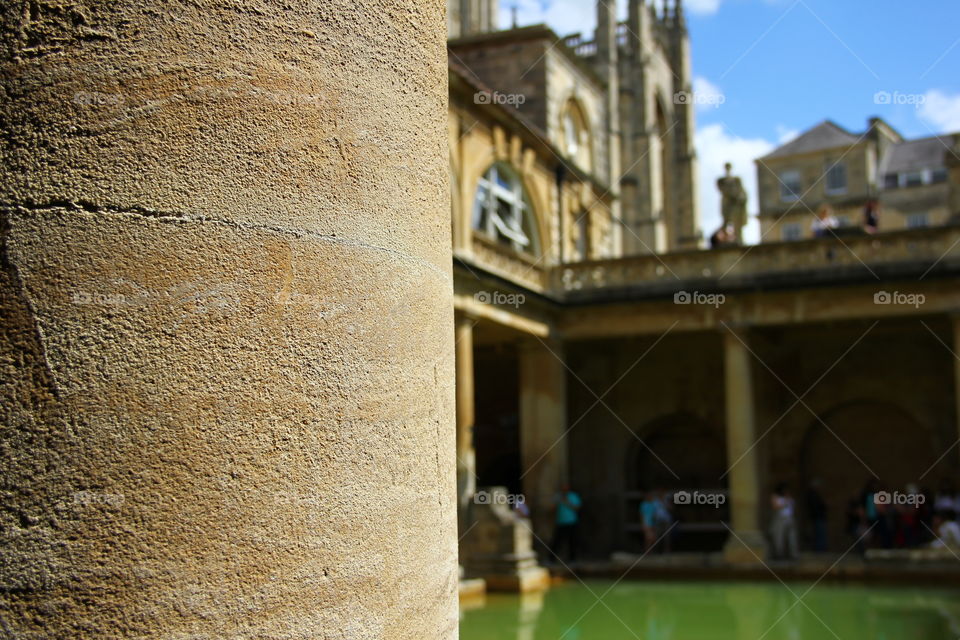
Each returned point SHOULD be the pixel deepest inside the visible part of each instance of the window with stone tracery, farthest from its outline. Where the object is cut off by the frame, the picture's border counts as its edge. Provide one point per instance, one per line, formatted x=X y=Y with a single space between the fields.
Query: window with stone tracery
x=502 y=210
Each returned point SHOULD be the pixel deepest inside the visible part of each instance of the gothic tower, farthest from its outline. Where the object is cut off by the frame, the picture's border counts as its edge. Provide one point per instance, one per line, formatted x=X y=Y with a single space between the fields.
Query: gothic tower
x=467 y=17
x=659 y=204
x=606 y=63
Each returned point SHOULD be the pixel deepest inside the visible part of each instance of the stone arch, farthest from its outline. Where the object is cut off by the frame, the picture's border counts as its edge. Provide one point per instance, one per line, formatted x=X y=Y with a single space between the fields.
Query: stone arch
x=678 y=451
x=854 y=440
x=663 y=136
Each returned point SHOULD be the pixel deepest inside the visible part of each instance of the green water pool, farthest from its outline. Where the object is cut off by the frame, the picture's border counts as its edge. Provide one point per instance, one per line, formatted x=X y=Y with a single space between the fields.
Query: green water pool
x=716 y=611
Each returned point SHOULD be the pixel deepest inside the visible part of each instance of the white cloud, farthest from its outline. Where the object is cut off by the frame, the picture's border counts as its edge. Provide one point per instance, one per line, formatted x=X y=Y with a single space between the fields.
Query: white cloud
x=786 y=134
x=702 y=7
x=706 y=95
x=715 y=147
x=941 y=110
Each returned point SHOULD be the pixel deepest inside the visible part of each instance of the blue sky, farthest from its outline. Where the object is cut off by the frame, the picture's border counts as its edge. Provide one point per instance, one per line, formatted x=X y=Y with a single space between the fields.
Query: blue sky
x=782 y=66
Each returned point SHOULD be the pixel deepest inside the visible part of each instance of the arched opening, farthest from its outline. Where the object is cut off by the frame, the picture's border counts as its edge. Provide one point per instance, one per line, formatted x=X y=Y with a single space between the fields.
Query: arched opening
x=581 y=231
x=663 y=201
x=854 y=442
x=679 y=453
x=502 y=210
x=455 y=206
x=576 y=138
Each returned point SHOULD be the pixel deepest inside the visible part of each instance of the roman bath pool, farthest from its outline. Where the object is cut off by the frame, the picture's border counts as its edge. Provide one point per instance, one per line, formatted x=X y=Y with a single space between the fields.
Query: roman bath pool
x=715 y=611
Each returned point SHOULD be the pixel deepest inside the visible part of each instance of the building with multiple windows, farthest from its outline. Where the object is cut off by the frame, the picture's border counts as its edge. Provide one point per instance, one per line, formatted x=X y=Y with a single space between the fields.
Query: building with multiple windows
x=828 y=165
x=598 y=345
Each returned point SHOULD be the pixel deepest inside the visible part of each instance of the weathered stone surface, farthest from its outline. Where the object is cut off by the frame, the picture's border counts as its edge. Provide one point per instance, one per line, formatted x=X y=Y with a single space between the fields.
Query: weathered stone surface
x=226 y=360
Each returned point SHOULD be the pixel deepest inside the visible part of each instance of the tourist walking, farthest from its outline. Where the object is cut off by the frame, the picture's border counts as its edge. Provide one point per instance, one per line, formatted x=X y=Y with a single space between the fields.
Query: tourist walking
x=648 y=520
x=817 y=514
x=664 y=519
x=565 y=538
x=783 y=527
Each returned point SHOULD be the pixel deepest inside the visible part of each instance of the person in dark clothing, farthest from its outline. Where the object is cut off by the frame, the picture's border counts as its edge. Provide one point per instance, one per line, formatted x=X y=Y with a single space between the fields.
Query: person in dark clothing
x=871 y=216
x=817 y=513
x=857 y=524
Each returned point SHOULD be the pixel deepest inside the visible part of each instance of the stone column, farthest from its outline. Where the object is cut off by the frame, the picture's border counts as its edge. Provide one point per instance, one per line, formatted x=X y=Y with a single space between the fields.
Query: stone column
x=955 y=321
x=466 y=410
x=543 y=422
x=227 y=366
x=748 y=543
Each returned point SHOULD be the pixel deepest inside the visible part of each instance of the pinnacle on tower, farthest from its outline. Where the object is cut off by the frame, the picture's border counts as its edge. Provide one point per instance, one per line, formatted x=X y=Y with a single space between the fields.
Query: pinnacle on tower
x=680 y=16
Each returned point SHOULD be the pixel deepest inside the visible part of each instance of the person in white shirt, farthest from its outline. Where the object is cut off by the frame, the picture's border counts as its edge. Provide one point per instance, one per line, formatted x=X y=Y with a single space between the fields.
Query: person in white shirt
x=783 y=527
x=824 y=222
x=946 y=499
x=948 y=531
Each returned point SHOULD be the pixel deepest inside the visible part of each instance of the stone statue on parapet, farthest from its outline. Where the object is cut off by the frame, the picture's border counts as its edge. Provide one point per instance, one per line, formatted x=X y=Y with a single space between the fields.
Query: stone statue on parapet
x=733 y=203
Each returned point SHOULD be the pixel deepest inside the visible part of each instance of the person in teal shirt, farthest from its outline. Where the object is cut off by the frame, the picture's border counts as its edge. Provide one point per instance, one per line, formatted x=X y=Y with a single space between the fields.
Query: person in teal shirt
x=648 y=519
x=567 y=522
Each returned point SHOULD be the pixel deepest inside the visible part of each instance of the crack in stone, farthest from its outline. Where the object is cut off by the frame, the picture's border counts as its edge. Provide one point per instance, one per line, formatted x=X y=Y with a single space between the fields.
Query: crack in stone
x=84 y=206
x=20 y=289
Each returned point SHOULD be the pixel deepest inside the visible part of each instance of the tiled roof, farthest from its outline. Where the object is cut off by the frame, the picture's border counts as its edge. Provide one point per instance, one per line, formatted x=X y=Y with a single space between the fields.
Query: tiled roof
x=915 y=155
x=826 y=135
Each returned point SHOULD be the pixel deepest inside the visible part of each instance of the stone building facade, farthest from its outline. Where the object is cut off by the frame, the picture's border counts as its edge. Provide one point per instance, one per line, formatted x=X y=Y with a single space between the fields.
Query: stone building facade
x=828 y=165
x=617 y=104
x=583 y=359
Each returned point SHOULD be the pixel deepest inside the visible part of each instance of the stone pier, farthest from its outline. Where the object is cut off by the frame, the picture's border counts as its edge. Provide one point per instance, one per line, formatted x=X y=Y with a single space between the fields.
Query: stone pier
x=466 y=412
x=543 y=426
x=955 y=321
x=746 y=544
x=227 y=390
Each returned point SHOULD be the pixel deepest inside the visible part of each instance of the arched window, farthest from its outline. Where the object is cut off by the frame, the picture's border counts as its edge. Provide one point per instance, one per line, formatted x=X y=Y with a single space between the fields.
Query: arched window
x=502 y=211
x=576 y=135
x=582 y=226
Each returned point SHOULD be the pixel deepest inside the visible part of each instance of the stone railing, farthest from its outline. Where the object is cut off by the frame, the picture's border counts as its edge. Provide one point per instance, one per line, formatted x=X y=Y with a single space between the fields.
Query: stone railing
x=582 y=48
x=511 y=265
x=906 y=254
x=586 y=50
